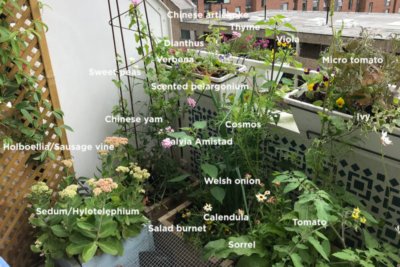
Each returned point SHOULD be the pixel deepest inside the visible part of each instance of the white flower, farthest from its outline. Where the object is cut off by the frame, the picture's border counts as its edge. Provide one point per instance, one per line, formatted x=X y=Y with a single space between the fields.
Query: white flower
x=132 y=60
x=9 y=105
x=240 y=212
x=242 y=69
x=385 y=139
x=261 y=197
x=267 y=193
x=207 y=207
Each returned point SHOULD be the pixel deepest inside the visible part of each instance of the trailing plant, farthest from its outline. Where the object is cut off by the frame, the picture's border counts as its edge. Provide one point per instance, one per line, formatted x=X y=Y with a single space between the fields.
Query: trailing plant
x=23 y=108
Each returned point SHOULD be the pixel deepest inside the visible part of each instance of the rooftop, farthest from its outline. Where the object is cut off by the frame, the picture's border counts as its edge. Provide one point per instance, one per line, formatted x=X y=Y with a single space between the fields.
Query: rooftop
x=313 y=22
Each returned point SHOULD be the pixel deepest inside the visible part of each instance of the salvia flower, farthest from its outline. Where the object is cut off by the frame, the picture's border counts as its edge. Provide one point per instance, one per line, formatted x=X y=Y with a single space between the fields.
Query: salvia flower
x=167 y=143
x=385 y=141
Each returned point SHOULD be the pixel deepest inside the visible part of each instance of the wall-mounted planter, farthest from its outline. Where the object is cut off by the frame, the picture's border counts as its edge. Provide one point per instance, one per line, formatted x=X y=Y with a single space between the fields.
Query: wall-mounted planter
x=132 y=247
x=309 y=123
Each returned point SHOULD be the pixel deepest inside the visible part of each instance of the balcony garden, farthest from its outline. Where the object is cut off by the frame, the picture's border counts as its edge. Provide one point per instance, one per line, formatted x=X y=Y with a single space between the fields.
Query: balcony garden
x=238 y=151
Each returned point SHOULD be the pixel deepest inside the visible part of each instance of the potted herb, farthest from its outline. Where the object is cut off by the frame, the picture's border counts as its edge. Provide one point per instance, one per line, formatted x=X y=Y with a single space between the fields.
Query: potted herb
x=360 y=89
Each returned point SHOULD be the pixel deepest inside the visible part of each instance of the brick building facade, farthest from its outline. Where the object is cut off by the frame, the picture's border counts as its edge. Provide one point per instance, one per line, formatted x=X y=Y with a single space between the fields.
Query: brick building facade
x=379 y=6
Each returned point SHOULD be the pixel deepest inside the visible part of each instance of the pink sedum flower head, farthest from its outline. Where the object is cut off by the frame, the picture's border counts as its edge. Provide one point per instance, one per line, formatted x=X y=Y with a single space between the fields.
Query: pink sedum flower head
x=191 y=102
x=236 y=34
x=166 y=143
x=136 y=2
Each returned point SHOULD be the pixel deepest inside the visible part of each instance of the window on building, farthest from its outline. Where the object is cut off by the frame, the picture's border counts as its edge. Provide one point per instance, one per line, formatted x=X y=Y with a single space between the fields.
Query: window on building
x=284 y=6
x=358 y=6
x=387 y=2
x=237 y=9
x=350 y=4
x=185 y=35
x=370 y=7
x=304 y=5
x=315 y=5
x=224 y=11
x=227 y=1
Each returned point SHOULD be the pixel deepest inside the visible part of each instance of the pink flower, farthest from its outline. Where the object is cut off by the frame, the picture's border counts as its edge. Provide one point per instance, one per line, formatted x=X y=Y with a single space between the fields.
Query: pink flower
x=249 y=37
x=191 y=102
x=136 y=2
x=169 y=129
x=236 y=34
x=166 y=143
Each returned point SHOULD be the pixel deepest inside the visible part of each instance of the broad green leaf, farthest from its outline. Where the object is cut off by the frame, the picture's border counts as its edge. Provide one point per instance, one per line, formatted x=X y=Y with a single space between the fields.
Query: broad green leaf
x=89 y=251
x=370 y=241
x=58 y=230
x=210 y=170
x=109 y=246
x=200 y=124
x=75 y=249
x=322 y=209
x=347 y=255
x=108 y=229
x=218 y=193
x=296 y=259
x=315 y=243
x=253 y=260
x=290 y=187
x=27 y=115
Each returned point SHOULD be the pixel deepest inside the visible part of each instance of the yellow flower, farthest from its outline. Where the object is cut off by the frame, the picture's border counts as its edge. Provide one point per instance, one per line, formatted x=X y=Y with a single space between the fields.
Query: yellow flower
x=356 y=210
x=355 y=216
x=340 y=102
x=310 y=87
x=363 y=220
x=279 y=43
x=326 y=84
x=284 y=44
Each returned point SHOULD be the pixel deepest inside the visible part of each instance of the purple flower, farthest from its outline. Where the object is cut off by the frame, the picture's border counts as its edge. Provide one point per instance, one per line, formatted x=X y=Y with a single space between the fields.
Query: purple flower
x=166 y=143
x=191 y=102
x=221 y=57
x=236 y=34
x=136 y=2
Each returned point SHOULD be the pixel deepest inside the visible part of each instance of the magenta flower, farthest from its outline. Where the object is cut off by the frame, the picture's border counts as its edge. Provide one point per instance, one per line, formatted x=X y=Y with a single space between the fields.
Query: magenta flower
x=136 y=2
x=236 y=34
x=191 y=102
x=166 y=143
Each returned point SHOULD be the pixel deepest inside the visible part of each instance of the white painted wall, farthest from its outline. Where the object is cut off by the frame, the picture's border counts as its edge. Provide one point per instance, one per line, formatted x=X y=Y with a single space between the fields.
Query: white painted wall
x=80 y=39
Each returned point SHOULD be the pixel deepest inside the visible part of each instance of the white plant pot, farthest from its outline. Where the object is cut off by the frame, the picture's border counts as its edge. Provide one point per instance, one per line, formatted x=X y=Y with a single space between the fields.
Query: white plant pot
x=309 y=123
x=132 y=246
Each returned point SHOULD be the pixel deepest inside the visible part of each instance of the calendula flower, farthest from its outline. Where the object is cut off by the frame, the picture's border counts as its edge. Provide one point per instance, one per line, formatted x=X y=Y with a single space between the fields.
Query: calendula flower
x=385 y=141
x=207 y=207
x=310 y=87
x=363 y=220
x=340 y=102
x=261 y=197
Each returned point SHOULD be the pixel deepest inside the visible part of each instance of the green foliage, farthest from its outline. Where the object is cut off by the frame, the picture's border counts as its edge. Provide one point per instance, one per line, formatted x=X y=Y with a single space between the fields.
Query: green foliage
x=21 y=119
